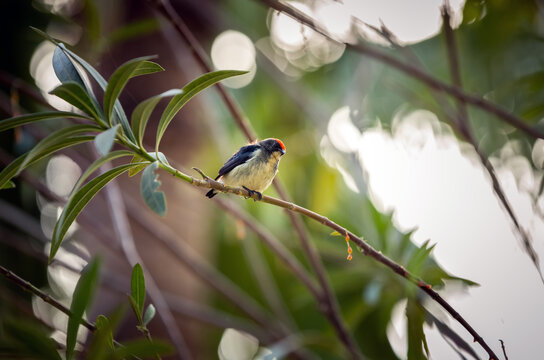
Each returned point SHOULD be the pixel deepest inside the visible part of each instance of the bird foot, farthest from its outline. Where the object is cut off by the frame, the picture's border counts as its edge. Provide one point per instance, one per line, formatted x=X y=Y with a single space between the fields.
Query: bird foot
x=251 y=192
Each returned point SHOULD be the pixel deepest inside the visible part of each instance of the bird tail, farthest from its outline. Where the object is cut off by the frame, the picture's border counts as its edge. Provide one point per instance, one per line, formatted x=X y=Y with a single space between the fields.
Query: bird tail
x=211 y=193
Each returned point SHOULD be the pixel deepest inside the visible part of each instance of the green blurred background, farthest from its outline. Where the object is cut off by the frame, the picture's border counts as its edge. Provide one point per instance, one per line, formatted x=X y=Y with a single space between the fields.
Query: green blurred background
x=343 y=118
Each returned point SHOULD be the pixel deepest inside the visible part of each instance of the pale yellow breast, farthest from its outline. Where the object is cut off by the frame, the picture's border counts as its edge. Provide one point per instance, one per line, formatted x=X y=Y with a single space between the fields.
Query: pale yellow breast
x=254 y=175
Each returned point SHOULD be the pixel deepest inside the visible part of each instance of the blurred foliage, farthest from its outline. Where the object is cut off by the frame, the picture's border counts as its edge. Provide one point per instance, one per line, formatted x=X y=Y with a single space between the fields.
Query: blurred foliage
x=501 y=57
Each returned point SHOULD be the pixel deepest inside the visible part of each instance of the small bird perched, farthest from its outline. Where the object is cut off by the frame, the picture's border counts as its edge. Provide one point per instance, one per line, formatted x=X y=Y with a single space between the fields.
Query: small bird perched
x=253 y=167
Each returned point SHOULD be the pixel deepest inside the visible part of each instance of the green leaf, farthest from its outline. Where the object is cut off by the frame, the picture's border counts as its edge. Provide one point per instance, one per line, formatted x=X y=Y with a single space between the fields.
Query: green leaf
x=76 y=95
x=68 y=73
x=190 y=90
x=117 y=82
x=98 y=163
x=57 y=137
x=148 y=188
x=104 y=141
x=149 y=314
x=44 y=35
x=142 y=348
x=81 y=299
x=416 y=337
x=473 y=11
x=158 y=156
x=77 y=202
x=137 y=287
x=136 y=170
x=102 y=343
x=32 y=338
x=142 y=112
x=9 y=185
x=119 y=115
x=135 y=309
x=11 y=170
x=64 y=69
x=103 y=325
x=7 y=124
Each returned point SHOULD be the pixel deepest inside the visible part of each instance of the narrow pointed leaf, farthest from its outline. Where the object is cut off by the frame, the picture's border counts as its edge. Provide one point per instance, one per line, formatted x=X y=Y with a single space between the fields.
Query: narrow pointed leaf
x=190 y=90
x=148 y=188
x=11 y=170
x=8 y=185
x=67 y=73
x=118 y=80
x=7 y=124
x=416 y=337
x=56 y=137
x=103 y=324
x=142 y=112
x=77 y=202
x=64 y=69
x=119 y=114
x=149 y=314
x=76 y=95
x=44 y=35
x=136 y=170
x=102 y=343
x=81 y=299
x=135 y=309
x=137 y=287
x=159 y=156
x=98 y=163
x=104 y=141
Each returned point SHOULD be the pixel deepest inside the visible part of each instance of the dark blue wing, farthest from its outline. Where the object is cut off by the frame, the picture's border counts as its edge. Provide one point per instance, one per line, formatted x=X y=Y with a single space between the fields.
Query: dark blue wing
x=243 y=155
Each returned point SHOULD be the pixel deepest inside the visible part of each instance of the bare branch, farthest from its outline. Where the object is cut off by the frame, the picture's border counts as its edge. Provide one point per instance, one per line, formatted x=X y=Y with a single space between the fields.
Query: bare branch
x=412 y=71
x=332 y=310
x=124 y=236
x=26 y=285
x=463 y=126
x=365 y=248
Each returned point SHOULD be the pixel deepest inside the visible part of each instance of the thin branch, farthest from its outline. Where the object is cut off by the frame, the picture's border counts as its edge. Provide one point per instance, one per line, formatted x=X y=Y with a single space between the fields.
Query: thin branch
x=204 y=271
x=123 y=233
x=412 y=71
x=503 y=349
x=331 y=310
x=266 y=282
x=26 y=285
x=214 y=317
x=365 y=248
x=165 y=9
x=274 y=244
x=463 y=126
x=113 y=282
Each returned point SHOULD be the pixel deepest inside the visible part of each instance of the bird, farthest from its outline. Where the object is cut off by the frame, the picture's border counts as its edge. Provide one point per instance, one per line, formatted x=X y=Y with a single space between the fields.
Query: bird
x=252 y=167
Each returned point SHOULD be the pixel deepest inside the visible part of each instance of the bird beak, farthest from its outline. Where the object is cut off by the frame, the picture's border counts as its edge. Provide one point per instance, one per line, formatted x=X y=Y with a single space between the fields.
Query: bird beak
x=282 y=152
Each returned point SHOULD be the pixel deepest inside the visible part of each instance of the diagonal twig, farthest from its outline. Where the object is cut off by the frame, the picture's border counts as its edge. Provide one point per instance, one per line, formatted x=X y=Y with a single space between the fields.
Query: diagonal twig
x=366 y=249
x=329 y=302
x=463 y=126
x=412 y=71
x=124 y=235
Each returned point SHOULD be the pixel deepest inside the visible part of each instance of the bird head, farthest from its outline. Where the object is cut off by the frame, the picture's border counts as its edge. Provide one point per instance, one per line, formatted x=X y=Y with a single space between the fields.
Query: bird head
x=273 y=145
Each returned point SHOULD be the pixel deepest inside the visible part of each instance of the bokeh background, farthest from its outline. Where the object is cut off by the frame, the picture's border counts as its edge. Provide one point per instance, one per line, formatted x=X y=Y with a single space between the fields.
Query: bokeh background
x=367 y=146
